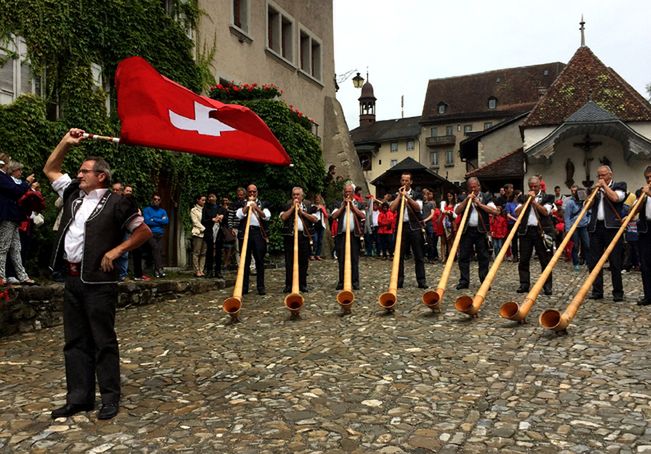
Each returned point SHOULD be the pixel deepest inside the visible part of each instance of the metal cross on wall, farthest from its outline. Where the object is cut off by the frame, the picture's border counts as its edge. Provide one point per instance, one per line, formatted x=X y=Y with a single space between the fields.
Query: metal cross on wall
x=587 y=146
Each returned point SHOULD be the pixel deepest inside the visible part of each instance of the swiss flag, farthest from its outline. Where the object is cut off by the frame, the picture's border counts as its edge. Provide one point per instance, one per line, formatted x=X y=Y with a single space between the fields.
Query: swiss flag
x=159 y=113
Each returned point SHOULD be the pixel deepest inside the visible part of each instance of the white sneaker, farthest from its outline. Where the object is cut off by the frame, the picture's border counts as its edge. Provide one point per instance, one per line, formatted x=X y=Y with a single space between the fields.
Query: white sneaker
x=12 y=280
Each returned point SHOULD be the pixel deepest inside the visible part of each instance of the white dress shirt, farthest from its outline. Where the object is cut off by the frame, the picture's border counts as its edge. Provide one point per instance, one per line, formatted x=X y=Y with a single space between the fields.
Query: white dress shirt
x=532 y=220
x=601 y=213
x=73 y=242
x=254 y=220
x=405 y=217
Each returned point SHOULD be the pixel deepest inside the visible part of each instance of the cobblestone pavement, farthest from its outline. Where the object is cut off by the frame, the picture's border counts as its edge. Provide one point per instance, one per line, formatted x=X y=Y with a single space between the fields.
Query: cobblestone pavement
x=408 y=382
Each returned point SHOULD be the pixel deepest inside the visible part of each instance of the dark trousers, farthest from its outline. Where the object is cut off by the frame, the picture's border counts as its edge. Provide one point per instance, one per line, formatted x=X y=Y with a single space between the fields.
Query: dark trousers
x=303 y=259
x=644 y=247
x=257 y=248
x=432 y=242
x=91 y=345
x=155 y=243
x=355 y=246
x=413 y=239
x=210 y=252
x=514 y=243
x=532 y=239
x=599 y=241
x=386 y=244
x=473 y=240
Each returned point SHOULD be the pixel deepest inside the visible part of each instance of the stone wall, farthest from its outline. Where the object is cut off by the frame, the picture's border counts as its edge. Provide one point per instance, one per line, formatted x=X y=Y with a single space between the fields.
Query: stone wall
x=34 y=308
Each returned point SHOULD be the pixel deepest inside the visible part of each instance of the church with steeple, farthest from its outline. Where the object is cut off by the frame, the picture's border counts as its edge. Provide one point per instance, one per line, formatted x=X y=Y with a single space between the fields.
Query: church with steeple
x=589 y=116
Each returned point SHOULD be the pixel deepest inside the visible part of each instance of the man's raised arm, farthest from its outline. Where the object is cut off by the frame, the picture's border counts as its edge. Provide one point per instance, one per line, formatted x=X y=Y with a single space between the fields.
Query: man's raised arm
x=52 y=169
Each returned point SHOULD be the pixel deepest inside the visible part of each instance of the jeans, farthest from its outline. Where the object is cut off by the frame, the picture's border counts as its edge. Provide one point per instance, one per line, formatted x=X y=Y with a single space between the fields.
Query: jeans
x=317 y=239
x=580 y=235
x=497 y=245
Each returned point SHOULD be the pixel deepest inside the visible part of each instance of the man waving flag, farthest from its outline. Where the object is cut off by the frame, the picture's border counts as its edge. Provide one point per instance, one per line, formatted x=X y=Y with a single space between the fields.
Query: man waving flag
x=159 y=113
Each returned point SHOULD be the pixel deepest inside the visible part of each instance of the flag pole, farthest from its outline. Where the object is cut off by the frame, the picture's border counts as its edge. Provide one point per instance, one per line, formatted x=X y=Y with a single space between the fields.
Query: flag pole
x=87 y=135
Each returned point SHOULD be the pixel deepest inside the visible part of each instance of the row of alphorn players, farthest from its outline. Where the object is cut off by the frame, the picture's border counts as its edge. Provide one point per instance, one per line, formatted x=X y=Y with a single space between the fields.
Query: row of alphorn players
x=606 y=226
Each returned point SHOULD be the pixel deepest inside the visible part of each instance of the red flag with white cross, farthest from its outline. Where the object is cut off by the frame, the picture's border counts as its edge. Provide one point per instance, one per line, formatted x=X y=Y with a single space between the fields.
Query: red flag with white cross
x=157 y=112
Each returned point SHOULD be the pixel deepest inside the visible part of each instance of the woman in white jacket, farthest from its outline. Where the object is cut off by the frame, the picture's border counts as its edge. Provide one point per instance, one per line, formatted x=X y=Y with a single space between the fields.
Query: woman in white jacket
x=198 y=244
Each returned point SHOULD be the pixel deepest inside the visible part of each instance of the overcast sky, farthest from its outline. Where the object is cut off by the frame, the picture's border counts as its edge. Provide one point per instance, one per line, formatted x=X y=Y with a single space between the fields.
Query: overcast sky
x=405 y=43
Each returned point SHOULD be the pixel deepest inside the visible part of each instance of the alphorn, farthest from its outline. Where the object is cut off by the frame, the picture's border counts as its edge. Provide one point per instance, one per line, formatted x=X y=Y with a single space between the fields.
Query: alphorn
x=233 y=304
x=346 y=296
x=388 y=299
x=432 y=299
x=553 y=319
x=294 y=301
x=511 y=310
x=471 y=306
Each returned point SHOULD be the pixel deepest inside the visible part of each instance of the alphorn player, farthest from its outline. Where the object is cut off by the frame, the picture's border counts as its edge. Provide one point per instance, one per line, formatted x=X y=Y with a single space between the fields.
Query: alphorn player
x=537 y=221
x=474 y=233
x=305 y=231
x=354 y=224
x=257 y=244
x=412 y=234
x=605 y=220
x=644 y=241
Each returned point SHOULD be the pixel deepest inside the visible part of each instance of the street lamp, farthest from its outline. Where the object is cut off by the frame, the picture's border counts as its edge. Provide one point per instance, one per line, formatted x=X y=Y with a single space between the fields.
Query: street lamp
x=358 y=80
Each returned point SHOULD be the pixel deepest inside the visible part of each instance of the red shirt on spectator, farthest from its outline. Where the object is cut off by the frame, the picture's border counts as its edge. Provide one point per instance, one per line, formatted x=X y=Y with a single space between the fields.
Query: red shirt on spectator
x=499 y=226
x=386 y=221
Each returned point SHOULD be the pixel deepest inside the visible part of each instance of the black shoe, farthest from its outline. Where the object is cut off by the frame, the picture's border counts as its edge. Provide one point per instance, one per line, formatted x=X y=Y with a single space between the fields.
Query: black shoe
x=304 y=289
x=522 y=289
x=618 y=298
x=71 y=409
x=461 y=286
x=423 y=285
x=261 y=291
x=596 y=296
x=245 y=291
x=108 y=411
x=400 y=284
x=339 y=287
x=643 y=302
x=287 y=289
x=548 y=292
x=219 y=276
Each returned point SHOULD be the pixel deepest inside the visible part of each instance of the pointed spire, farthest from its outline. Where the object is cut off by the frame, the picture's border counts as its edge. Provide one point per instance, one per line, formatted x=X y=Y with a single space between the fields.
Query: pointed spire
x=582 y=28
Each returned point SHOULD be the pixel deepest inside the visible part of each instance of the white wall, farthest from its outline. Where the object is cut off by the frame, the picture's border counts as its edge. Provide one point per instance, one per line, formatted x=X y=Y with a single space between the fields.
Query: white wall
x=553 y=170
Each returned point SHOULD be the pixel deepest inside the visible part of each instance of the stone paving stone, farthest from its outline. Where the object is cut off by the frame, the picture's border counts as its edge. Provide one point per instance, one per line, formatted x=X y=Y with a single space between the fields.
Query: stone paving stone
x=412 y=381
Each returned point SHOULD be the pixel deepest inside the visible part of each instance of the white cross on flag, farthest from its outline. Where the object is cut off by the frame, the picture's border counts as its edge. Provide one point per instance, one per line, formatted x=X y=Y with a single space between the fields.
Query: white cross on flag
x=159 y=113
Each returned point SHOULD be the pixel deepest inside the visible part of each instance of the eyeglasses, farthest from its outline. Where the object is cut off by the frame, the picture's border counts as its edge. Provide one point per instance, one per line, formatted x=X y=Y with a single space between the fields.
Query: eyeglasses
x=85 y=171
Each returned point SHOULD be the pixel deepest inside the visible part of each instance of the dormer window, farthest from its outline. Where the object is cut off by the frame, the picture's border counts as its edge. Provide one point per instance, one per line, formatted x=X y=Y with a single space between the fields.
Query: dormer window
x=492 y=102
x=442 y=108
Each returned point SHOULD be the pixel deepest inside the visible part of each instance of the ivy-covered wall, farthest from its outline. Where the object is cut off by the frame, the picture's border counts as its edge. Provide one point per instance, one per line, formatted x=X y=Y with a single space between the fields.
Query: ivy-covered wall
x=65 y=37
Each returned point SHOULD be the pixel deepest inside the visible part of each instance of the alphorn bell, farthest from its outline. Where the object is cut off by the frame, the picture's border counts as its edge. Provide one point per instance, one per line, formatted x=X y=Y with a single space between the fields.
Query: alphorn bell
x=388 y=299
x=294 y=301
x=346 y=296
x=233 y=304
x=511 y=310
x=553 y=319
x=432 y=299
x=471 y=306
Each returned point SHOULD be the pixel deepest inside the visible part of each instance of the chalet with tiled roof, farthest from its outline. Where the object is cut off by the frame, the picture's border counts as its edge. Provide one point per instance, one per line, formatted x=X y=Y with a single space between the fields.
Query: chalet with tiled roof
x=589 y=116
x=457 y=107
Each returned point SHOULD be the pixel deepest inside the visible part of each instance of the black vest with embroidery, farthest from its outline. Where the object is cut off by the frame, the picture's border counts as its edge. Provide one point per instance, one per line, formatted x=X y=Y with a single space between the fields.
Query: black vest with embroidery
x=264 y=224
x=483 y=221
x=104 y=230
x=546 y=222
x=414 y=218
x=612 y=211
x=308 y=227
